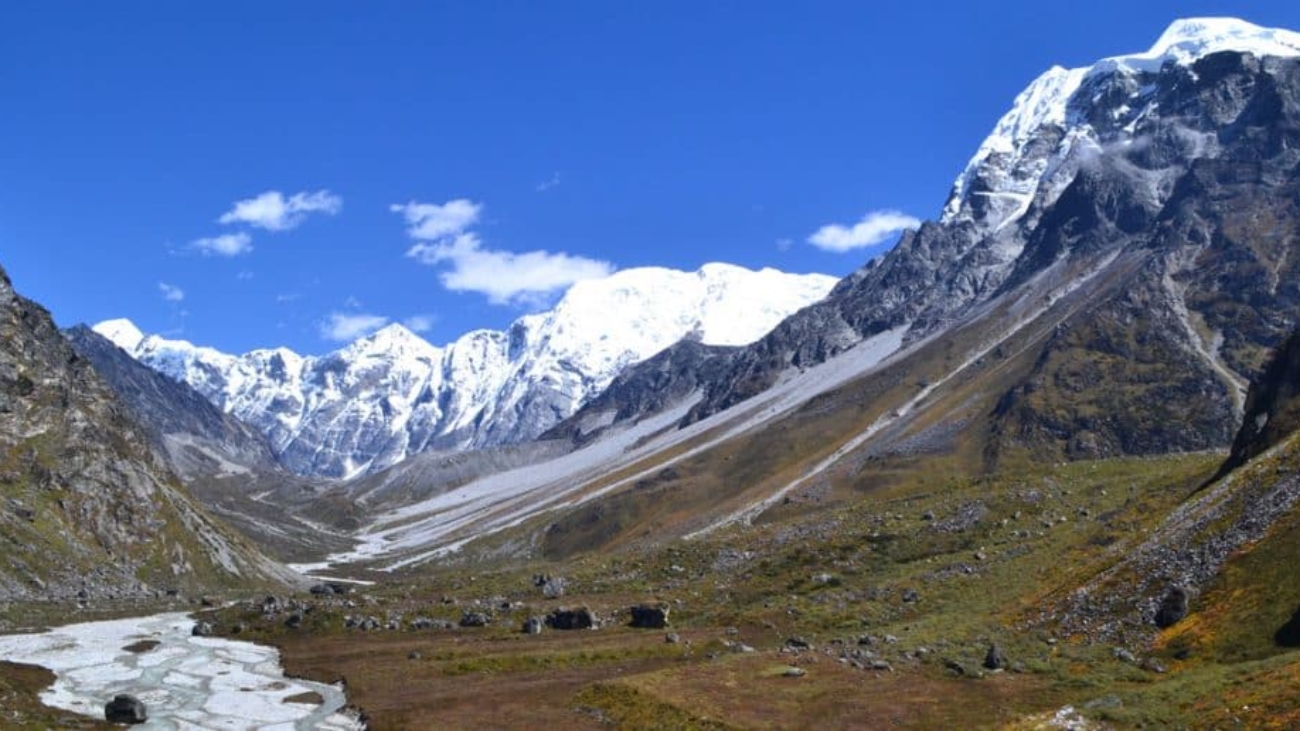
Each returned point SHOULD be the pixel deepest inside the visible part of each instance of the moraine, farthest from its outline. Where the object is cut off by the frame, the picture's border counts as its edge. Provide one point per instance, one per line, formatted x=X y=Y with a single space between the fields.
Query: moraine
x=185 y=681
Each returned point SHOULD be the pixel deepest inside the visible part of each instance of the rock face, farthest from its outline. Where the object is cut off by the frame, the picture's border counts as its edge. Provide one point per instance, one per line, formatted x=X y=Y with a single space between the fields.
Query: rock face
x=101 y=514
x=1154 y=196
x=126 y=709
x=391 y=394
x=1272 y=408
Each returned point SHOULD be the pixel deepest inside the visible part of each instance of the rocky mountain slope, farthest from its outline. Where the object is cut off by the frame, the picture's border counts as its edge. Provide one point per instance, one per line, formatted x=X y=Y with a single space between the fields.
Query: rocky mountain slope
x=89 y=509
x=391 y=394
x=199 y=438
x=1113 y=267
x=1166 y=176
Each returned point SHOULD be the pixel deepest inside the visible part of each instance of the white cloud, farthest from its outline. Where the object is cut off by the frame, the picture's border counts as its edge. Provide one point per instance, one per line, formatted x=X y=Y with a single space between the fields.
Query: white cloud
x=504 y=276
x=287 y=297
x=874 y=228
x=244 y=276
x=273 y=212
x=549 y=183
x=419 y=323
x=170 y=292
x=430 y=221
x=346 y=327
x=224 y=245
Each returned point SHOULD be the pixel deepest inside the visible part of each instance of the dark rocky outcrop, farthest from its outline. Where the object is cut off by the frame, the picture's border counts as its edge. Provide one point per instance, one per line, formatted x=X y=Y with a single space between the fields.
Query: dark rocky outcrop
x=1288 y=635
x=1272 y=408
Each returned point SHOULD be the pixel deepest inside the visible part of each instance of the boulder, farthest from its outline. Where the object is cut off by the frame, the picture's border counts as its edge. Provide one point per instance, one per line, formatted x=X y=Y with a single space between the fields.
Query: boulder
x=533 y=626
x=994 y=659
x=475 y=619
x=1172 y=608
x=125 y=708
x=647 y=616
x=201 y=629
x=581 y=618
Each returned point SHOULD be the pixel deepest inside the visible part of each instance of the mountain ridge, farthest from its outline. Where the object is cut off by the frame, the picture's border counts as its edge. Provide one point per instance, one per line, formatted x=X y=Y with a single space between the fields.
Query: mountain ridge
x=391 y=394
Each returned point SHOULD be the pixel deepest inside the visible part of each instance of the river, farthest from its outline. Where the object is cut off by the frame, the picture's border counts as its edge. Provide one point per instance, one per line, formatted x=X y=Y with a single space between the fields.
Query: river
x=186 y=682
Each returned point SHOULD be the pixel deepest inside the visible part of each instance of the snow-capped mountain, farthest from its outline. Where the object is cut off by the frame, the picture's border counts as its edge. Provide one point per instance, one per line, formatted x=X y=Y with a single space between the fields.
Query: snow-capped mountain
x=1140 y=122
x=392 y=394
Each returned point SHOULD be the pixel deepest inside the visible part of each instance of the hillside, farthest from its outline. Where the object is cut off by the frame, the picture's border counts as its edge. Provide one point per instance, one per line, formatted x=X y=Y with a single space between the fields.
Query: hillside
x=90 y=511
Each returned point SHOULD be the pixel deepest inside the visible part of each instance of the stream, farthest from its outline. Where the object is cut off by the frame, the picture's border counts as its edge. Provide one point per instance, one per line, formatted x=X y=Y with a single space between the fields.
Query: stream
x=185 y=682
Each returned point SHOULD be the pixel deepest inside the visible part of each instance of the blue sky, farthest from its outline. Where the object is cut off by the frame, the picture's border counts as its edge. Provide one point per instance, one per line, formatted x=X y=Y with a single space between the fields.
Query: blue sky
x=253 y=174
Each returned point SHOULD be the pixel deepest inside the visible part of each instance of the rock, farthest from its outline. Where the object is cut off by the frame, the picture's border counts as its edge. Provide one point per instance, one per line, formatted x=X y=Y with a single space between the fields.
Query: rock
x=1152 y=665
x=237 y=628
x=646 y=616
x=125 y=708
x=927 y=515
x=1172 y=608
x=994 y=659
x=414 y=655
x=794 y=672
x=672 y=638
x=475 y=619
x=294 y=621
x=911 y=596
x=201 y=629
x=798 y=643
x=581 y=618
x=882 y=665
x=1123 y=655
x=955 y=666
x=322 y=589
x=533 y=625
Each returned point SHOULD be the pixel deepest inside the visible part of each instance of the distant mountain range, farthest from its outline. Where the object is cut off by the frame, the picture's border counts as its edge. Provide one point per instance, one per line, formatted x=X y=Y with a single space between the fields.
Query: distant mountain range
x=392 y=394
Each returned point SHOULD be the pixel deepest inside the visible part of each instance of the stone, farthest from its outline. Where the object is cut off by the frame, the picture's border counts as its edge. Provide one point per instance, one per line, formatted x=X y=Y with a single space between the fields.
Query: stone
x=794 y=672
x=1123 y=655
x=201 y=629
x=646 y=616
x=475 y=619
x=125 y=708
x=672 y=638
x=581 y=618
x=533 y=625
x=294 y=621
x=1172 y=608
x=994 y=659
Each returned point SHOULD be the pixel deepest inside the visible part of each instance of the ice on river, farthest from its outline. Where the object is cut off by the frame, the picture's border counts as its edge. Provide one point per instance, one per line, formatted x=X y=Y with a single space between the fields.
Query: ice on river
x=185 y=682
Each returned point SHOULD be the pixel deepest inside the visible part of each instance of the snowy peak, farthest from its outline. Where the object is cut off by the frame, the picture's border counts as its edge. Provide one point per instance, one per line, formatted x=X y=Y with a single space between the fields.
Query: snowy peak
x=121 y=332
x=1188 y=39
x=391 y=394
x=1008 y=168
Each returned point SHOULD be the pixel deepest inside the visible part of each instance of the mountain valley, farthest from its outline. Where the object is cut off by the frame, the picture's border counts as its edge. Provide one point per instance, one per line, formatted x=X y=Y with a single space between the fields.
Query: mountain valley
x=1037 y=466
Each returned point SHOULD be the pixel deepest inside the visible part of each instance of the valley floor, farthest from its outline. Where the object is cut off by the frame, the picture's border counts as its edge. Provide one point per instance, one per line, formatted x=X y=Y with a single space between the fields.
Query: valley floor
x=881 y=612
